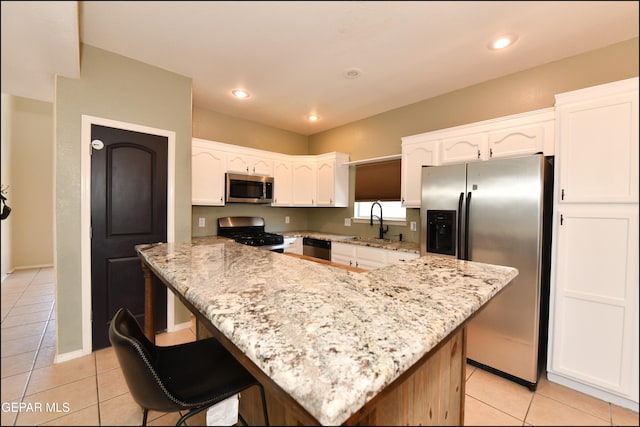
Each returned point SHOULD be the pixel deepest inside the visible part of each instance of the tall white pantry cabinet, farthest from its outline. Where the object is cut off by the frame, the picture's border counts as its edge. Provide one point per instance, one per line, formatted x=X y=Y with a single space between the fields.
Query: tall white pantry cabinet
x=593 y=336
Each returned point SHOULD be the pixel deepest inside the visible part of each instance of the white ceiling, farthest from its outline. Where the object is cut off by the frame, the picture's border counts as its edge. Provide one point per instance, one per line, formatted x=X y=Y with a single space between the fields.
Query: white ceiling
x=291 y=56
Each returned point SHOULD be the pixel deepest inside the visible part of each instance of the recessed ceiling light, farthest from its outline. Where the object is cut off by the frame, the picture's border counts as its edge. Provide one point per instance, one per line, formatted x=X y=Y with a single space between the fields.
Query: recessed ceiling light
x=502 y=42
x=313 y=118
x=240 y=93
x=352 y=73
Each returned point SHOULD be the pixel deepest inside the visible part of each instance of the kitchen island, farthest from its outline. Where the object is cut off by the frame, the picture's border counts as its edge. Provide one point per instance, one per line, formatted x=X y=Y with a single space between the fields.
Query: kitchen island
x=332 y=346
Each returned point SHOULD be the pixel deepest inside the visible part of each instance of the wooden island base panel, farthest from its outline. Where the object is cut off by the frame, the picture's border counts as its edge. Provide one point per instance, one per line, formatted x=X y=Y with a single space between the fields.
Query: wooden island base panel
x=431 y=394
x=331 y=346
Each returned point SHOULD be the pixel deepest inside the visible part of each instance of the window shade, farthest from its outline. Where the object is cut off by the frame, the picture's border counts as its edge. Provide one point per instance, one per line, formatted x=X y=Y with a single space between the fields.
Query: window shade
x=378 y=181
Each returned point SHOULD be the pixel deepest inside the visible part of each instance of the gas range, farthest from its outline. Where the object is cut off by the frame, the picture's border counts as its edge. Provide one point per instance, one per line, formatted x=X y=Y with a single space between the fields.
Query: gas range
x=249 y=230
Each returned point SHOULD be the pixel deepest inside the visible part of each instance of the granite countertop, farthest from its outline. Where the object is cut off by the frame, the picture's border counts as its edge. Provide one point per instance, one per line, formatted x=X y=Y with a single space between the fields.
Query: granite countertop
x=396 y=245
x=330 y=338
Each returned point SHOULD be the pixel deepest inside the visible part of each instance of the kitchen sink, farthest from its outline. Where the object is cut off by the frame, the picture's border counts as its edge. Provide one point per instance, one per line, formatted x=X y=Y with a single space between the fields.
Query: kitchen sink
x=369 y=240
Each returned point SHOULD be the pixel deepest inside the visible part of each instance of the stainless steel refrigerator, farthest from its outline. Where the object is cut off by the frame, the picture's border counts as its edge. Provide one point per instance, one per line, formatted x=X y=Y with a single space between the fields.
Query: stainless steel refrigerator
x=498 y=212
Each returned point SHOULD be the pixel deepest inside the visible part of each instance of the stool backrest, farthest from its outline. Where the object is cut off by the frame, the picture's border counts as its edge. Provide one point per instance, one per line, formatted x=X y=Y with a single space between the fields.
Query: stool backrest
x=137 y=357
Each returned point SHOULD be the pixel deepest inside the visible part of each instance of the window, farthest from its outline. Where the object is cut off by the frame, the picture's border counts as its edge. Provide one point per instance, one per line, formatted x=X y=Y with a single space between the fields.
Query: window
x=379 y=181
x=390 y=211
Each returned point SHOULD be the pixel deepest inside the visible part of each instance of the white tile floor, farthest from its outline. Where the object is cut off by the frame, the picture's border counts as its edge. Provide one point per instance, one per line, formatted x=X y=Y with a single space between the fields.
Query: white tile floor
x=91 y=390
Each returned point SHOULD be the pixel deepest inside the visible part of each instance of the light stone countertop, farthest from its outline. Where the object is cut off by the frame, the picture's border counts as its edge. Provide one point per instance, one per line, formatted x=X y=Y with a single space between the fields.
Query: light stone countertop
x=395 y=245
x=330 y=338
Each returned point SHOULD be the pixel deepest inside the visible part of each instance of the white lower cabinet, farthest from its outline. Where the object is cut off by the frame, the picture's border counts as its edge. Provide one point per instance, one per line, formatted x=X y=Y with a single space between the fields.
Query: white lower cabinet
x=594 y=314
x=366 y=257
x=344 y=253
x=370 y=258
x=396 y=257
x=293 y=245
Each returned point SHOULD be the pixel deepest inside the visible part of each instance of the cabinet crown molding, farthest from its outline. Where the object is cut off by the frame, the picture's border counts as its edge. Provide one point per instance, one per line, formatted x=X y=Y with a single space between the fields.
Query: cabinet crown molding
x=497 y=123
x=606 y=89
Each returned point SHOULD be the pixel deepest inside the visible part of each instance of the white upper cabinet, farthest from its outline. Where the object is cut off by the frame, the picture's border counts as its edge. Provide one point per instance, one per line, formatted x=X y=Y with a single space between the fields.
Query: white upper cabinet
x=465 y=148
x=283 y=181
x=208 y=166
x=304 y=181
x=519 y=140
x=415 y=154
x=509 y=136
x=332 y=180
x=240 y=162
x=598 y=134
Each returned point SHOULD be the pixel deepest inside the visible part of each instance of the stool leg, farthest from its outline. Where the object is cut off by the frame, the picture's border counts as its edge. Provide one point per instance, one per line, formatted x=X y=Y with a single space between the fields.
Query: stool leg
x=145 y=412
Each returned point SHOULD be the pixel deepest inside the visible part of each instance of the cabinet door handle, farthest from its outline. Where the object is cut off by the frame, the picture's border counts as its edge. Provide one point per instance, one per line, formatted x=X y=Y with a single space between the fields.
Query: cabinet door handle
x=490 y=152
x=562 y=194
x=478 y=153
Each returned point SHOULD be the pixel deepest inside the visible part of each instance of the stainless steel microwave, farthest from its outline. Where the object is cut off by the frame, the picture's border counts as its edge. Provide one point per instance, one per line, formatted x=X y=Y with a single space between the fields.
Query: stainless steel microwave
x=249 y=188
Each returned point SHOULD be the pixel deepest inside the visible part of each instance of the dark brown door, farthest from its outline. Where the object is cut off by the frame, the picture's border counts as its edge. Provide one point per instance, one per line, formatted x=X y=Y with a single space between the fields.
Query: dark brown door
x=128 y=207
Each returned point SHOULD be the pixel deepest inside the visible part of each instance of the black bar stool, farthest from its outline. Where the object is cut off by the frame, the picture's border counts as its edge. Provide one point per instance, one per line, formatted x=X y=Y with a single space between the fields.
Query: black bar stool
x=186 y=377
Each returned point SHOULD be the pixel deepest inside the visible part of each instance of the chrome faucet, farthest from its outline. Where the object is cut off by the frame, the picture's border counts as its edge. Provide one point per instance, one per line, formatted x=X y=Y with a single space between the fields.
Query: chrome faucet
x=382 y=230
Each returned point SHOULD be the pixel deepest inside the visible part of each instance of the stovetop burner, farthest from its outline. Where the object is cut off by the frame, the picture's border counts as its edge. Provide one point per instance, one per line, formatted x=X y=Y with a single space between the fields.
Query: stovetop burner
x=258 y=238
x=249 y=231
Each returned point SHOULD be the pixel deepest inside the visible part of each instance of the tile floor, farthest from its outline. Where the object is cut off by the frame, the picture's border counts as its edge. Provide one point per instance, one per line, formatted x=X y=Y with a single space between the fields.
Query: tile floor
x=90 y=390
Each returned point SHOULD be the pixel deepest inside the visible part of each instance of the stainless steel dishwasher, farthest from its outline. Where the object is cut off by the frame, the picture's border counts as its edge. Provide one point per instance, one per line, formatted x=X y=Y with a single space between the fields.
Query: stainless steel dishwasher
x=316 y=248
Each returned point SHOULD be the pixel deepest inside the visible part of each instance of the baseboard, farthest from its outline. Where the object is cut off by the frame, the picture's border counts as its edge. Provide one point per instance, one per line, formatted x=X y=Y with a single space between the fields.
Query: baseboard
x=65 y=357
x=7 y=274
x=179 y=326
x=32 y=267
x=592 y=391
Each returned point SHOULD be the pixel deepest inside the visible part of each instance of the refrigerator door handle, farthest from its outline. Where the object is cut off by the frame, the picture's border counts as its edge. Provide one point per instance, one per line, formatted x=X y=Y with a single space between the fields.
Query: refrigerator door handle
x=459 y=236
x=466 y=227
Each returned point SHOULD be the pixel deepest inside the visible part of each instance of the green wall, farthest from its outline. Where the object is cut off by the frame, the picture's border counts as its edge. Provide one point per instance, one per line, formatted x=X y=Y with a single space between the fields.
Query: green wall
x=117 y=88
x=528 y=90
x=220 y=127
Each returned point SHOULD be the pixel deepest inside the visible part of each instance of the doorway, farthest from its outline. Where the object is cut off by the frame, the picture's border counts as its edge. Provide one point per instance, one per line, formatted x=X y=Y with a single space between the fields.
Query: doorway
x=129 y=191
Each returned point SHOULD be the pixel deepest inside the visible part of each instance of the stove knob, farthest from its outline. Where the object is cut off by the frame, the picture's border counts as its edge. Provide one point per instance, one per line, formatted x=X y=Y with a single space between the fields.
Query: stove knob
x=262 y=241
